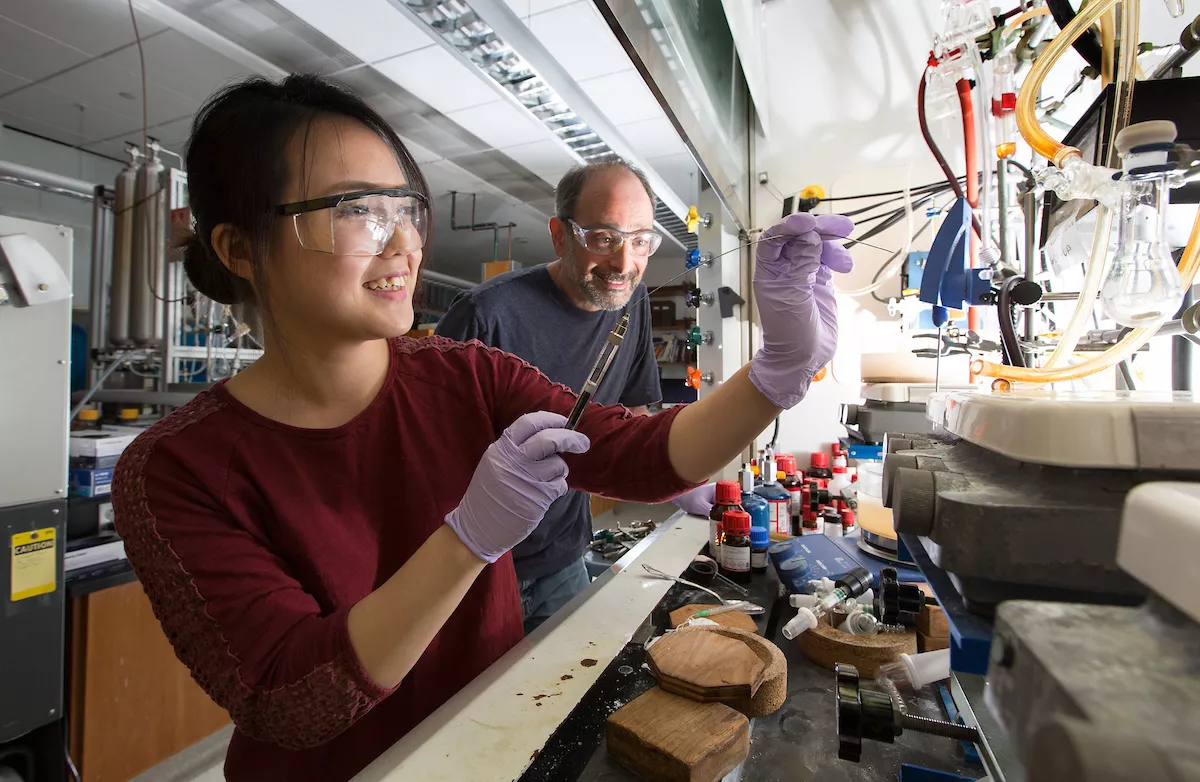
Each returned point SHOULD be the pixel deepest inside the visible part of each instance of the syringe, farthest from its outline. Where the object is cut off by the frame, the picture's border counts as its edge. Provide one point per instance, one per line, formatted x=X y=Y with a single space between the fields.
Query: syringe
x=599 y=370
x=617 y=336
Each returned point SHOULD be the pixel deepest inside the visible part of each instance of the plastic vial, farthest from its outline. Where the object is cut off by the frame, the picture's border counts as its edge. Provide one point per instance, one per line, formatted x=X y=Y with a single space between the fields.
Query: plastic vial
x=88 y=419
x=760 y=541
x=833 y=523
x=728 y=497
x=735 y=546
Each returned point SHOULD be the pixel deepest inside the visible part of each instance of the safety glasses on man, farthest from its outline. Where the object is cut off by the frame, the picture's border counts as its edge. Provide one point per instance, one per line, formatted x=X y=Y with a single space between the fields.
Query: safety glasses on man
x=603 y=240
x=361 y=223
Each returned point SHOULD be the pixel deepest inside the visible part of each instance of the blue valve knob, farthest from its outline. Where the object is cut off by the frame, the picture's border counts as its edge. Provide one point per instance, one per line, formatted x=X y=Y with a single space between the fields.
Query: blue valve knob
x=694 y=259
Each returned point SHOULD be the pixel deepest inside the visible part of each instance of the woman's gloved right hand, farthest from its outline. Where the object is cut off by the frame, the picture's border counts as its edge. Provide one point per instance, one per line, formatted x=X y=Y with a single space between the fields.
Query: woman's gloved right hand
x=517 y=479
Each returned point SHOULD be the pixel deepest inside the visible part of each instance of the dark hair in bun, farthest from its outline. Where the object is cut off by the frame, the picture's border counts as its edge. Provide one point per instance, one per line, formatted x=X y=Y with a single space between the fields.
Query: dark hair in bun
x=238 y=167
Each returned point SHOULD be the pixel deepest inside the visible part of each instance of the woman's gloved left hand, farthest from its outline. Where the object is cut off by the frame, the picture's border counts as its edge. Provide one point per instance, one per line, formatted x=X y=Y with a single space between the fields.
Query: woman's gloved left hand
x=699 y=501
x=793 y=285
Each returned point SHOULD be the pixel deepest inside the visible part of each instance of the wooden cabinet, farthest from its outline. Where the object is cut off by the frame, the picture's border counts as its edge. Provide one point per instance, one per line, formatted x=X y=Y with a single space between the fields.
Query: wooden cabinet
x=132 y=704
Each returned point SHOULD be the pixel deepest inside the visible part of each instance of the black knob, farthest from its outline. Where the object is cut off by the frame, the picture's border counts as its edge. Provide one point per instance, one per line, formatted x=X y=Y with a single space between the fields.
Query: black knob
x=855 y=582
x=691 y=297
x=861 y=714
x=897 y=603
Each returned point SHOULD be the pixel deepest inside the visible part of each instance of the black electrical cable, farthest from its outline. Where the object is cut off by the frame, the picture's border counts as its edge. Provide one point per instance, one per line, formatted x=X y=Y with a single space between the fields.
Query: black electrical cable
x=775 y=435
x=1088 y=44
x=1008 y=332
x=914 y=189
x=889 y=261
x=1030 y=177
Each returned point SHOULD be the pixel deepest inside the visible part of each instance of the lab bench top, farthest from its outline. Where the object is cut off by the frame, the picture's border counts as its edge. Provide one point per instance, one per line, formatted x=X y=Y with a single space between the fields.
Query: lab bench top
x=501 y=717
x=798 y=743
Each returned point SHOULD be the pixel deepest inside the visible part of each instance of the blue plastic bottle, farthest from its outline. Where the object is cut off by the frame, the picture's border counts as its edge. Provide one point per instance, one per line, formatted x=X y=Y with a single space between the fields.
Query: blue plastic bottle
x=757 y=507
x=778 y=499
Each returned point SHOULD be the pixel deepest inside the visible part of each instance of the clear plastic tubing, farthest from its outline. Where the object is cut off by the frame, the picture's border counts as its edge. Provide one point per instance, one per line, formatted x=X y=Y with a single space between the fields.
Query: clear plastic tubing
x=1189 y=264
x=1047 y=147
x=1027 y=122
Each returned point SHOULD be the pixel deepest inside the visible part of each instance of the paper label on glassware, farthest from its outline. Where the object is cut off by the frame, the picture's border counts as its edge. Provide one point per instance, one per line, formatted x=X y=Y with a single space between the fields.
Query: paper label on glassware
x=1067 y=249
x=758 y=559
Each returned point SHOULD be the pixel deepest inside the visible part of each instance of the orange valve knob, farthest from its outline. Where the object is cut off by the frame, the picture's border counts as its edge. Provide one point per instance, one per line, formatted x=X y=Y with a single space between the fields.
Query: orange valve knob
x=695 y=377
x=821 y=373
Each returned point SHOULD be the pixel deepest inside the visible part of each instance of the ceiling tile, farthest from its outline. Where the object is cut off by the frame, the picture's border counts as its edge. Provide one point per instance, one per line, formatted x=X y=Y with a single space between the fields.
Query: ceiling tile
x=652 y=138
x=101 y=82
x=541 y=6
x=52 y=108
x=548 y=159
x=420 y=154
x=31 y=55
x=622 y=97
x=372 y=30
x=680 y=173
x=438 y=78
x=10 y=82
x=180 y=64
x=500 y=124
x=31 y=125
x=92 y=26
x=580 y=40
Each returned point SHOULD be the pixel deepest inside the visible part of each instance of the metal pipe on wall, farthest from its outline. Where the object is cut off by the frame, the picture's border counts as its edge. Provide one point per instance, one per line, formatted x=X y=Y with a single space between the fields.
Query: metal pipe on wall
x=17 y=174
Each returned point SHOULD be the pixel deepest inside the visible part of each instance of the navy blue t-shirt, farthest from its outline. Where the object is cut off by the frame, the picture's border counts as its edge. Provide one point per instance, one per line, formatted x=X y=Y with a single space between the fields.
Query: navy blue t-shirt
x=524 y=313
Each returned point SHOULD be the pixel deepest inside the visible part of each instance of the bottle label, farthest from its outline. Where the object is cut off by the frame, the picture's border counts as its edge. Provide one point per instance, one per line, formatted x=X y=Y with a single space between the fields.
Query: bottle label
x=833 y=529
x=736 y=559
x=811 y=531
x=758 y=559
x=781 y=518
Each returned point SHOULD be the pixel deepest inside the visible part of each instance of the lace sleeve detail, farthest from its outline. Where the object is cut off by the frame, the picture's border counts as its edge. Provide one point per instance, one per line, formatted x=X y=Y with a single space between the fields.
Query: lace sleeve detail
x=308 y=686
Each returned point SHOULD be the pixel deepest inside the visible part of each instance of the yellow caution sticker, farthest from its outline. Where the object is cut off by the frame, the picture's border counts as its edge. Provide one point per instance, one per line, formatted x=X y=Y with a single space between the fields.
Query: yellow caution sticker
x=34 y=564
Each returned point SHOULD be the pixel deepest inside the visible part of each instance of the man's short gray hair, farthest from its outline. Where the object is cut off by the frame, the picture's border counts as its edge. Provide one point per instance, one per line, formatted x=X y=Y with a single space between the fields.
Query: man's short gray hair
x=571 y=185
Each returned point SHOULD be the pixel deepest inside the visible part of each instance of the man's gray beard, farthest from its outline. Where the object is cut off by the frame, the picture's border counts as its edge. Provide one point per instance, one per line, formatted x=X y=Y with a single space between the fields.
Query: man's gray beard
x=592 y=288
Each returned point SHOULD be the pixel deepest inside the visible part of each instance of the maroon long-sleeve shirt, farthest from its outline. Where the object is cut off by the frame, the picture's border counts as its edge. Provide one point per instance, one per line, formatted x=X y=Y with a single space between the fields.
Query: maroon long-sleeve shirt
x=253 y=539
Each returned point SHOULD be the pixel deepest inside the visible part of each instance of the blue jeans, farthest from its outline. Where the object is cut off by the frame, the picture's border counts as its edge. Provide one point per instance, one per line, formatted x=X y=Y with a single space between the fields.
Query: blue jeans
x=541 y=597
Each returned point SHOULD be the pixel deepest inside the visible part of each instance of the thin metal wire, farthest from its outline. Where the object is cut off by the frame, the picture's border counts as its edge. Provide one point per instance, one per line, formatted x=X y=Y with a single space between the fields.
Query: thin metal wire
x=740 y=247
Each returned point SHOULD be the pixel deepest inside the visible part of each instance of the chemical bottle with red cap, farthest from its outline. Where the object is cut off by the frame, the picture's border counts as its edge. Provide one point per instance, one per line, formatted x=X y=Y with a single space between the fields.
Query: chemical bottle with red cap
x=793 y=481
x=808 y=516
x=735 y=546
x=757 y=507
x=777 y=499
x=849 y=523
x=839 y=455
x=818 y=466
x=729 y=496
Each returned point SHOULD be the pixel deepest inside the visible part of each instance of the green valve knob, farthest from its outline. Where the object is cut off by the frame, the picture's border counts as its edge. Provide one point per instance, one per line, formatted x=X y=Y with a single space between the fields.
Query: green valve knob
x=696 y=337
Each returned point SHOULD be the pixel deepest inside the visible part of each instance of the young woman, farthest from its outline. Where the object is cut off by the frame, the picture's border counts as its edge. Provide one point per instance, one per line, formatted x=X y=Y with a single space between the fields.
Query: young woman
x=324 y=536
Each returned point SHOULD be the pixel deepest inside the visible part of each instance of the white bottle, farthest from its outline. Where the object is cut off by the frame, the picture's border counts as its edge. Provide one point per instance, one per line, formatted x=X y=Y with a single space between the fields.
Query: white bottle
x=839 y=482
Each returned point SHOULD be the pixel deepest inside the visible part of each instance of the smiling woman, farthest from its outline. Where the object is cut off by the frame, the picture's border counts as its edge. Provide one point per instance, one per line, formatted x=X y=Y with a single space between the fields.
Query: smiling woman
x=263 y=518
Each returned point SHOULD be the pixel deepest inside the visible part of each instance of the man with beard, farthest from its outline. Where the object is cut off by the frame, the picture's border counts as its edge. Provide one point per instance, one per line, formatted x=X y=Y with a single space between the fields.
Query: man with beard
x=557 y=318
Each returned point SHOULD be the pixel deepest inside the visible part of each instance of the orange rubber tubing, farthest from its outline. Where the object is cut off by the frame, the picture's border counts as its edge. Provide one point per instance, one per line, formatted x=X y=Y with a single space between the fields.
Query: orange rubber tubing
x=968 y=120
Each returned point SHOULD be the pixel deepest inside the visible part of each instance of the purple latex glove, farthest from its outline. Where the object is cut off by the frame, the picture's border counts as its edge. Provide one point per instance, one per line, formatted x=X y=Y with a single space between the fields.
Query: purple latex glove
x=793 y=284
x=698 y=501
x=516 y=480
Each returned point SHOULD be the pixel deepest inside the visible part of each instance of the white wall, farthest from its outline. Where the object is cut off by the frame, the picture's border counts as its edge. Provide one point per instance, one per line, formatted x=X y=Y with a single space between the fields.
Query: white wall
x=32 y=204
x=847 y=121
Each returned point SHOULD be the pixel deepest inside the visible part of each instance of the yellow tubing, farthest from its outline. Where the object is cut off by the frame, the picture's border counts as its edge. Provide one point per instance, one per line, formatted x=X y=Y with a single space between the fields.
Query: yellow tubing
x=1189 y=264
x=1021 y=19
x=1108 y=42
x=1027 y=122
